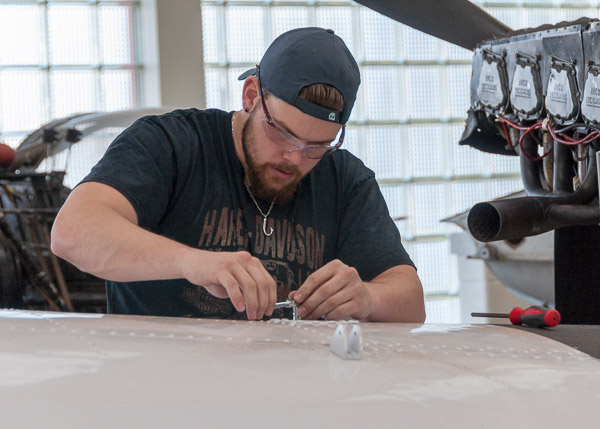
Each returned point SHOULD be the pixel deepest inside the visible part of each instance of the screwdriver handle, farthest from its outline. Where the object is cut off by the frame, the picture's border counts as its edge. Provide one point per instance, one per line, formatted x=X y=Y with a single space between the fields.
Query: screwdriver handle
x=535 y=315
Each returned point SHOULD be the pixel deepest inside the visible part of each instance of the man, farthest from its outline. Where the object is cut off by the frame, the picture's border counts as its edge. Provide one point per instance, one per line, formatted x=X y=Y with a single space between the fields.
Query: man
x=216 y=214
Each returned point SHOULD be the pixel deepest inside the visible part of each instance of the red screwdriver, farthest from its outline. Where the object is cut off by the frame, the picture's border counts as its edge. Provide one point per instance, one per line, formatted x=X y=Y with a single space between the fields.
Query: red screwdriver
x=535 y=315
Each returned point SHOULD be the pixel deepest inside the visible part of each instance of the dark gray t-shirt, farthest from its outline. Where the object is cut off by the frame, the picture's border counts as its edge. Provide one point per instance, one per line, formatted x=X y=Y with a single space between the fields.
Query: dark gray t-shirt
x=181 y=173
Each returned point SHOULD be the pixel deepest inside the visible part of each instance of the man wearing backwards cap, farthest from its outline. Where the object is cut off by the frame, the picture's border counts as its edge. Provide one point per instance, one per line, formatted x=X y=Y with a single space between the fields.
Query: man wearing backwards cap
x=216 y=214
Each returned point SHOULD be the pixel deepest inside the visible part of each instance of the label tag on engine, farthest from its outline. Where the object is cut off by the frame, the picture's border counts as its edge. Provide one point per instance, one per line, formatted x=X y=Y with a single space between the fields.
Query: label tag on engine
x=590 y=106
x=490 y=91
x=560 y=95
x=525 y=95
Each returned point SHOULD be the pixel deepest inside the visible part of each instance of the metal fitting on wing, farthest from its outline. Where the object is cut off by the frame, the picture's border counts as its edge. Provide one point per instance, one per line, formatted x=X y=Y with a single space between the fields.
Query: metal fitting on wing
x=289 y=303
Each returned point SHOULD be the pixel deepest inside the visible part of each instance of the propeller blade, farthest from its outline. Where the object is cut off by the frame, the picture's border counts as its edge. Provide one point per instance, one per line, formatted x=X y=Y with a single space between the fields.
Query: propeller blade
x=456 y=21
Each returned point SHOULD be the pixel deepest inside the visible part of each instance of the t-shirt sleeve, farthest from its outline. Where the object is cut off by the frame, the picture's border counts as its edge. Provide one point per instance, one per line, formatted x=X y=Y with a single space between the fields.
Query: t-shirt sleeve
x=369 y=238
x=140 y=164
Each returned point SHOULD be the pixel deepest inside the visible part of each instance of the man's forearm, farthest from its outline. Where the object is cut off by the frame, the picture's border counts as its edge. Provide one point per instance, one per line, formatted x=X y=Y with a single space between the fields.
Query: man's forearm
x=397 y=296
x=96 y=230
x=98 y=240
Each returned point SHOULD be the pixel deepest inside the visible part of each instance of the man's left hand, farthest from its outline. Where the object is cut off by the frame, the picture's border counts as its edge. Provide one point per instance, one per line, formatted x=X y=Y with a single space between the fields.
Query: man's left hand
x=334 y=291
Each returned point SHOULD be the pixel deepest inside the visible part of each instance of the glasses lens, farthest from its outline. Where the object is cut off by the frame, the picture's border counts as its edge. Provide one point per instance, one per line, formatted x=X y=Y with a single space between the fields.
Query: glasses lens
x=272 y=131
x=278 y=134
x=317 y=152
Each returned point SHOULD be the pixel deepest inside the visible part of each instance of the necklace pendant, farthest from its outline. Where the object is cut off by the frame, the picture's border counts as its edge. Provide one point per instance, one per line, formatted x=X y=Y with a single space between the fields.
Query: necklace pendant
x=268 y=234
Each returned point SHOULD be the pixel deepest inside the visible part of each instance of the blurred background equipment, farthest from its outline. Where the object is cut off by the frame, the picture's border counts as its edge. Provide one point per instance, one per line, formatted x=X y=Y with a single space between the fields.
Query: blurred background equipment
x=32 y=277
x=525 y=266
x=459 y=22
x=534 y=94
x=7 y=155
x=536 y=89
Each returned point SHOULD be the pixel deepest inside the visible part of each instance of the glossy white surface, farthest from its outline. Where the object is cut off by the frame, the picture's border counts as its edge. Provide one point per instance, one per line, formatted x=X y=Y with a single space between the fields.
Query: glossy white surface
x=124 y=371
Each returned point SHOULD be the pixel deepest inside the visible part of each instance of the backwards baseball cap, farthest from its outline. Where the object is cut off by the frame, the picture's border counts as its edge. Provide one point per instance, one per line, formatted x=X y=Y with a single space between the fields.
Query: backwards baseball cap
x=303 y=57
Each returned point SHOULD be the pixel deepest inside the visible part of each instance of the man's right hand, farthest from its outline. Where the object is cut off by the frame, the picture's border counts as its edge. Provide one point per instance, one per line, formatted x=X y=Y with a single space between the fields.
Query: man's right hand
x=238 y=276
x=97 y=231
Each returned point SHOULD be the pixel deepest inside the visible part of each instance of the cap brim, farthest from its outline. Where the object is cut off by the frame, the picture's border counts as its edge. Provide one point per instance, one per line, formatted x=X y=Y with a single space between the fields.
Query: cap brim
x=251 y=72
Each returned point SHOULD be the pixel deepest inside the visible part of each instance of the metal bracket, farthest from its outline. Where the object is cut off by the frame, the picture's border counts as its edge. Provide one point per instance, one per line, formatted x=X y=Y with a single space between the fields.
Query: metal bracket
x=289 y=303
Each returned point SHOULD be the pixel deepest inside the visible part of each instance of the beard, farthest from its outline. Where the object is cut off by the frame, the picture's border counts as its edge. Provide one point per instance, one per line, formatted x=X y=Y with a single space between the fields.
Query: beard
x=263 y=184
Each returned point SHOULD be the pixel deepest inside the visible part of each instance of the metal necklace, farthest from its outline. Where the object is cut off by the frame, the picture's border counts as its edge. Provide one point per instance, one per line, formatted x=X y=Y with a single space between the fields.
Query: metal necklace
x=265 y=216
x=267 y=233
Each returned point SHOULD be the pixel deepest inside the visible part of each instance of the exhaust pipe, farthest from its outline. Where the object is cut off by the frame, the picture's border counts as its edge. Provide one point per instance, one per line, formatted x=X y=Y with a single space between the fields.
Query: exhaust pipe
x=516 y=218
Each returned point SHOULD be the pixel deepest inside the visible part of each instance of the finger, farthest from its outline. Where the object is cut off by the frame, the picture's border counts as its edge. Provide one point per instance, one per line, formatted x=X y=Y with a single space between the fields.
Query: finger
x=231 y=285
x=265 y=287
x=314 y=282
x=272 y=288
x=271 y=292
x=217 y=291
x=329 y=304
x=321 y=295
x=249 y=290
x=341 y=311
x=272 y=299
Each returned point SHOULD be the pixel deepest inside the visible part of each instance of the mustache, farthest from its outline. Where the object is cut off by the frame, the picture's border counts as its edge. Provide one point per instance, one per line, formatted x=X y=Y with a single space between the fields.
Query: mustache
x=284 y=167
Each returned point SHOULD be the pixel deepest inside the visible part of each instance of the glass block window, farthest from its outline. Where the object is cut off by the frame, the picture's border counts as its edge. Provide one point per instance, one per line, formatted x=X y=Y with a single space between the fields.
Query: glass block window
x=379 y=35
x=426 y=150
x=418 y=46
x=423 y=92
x=244 y=24
x=339 y=18
x=408 y=117
x=381 y=92
x=458 y=93
x=466 y=193
x=383 y=157
x=442 y=309
x=58 y=58
x=286 y=18
x=395 y=195
x=22 y=100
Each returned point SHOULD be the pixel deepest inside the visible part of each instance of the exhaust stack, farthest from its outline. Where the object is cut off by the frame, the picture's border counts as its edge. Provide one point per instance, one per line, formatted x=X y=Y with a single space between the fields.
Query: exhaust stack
x=523 y=217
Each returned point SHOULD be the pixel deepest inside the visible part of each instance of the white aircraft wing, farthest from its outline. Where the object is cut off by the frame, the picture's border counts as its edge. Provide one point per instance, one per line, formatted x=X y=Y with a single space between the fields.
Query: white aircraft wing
x=61 y=370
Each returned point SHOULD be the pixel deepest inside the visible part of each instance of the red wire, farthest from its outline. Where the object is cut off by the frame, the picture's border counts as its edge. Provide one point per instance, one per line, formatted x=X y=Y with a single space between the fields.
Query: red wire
x=567 y=137
x=523 y=151
x=527 y=130
x=512 y=124
x=570 y=141
x=506 y=136
x=564 y=139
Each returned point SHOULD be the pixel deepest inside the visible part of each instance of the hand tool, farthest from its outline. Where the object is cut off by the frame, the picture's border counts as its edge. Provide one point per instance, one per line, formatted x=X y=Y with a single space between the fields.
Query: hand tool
x=535 y=315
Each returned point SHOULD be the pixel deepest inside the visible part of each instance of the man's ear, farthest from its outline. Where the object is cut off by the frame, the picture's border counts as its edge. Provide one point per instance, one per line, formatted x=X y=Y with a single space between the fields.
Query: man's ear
x=250 y=93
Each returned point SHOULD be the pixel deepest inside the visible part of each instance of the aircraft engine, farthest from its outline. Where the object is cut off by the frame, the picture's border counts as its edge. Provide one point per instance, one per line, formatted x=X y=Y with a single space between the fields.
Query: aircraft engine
x=535 y=94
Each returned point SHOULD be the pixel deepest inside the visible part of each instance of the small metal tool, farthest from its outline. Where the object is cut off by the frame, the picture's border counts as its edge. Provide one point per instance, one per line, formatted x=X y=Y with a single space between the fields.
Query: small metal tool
x=289 y=303
x=534 y=315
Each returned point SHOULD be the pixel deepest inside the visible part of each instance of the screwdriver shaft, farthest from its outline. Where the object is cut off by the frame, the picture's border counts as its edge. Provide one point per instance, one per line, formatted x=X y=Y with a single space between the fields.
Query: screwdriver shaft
x=503 y=315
